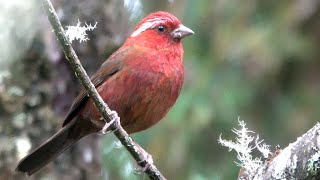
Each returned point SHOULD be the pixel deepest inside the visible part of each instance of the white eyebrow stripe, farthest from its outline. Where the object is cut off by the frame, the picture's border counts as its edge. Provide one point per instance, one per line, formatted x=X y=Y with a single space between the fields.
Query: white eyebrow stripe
x=148 y=24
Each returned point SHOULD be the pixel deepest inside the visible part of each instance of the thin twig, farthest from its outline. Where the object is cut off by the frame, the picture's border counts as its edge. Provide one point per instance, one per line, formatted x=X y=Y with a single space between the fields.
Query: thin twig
x=105 y=111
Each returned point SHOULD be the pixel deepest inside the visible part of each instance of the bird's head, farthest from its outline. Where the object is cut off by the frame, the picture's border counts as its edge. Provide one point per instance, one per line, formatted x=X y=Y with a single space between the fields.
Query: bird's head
x=159 y=30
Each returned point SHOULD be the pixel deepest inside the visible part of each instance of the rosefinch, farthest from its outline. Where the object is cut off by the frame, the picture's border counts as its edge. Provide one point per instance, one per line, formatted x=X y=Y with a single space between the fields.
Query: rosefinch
x=141 y=81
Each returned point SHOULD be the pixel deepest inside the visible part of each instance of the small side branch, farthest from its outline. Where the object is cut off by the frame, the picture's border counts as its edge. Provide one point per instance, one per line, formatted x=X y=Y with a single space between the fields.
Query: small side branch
x=105 y=111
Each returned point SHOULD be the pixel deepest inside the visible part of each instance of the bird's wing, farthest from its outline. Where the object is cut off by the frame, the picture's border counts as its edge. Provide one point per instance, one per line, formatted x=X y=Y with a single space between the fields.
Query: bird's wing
x=107 y=69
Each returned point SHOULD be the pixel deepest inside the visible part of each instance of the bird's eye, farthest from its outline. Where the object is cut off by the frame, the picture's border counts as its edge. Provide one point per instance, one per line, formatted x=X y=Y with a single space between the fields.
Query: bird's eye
x=161 y=28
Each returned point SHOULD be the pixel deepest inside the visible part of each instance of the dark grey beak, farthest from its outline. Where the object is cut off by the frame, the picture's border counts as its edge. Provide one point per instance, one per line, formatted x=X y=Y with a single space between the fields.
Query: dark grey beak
x=181 y=32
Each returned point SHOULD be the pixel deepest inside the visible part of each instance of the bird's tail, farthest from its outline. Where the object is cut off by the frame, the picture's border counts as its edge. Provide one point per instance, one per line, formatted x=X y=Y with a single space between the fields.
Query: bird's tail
x=58 y=143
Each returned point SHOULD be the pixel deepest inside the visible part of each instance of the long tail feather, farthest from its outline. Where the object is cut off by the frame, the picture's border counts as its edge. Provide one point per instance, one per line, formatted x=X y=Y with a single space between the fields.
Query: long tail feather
x=52 y=148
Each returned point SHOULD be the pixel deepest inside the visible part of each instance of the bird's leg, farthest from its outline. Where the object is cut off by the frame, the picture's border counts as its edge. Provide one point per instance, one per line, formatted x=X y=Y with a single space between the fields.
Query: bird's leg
x=114 y=120
x=144 y=164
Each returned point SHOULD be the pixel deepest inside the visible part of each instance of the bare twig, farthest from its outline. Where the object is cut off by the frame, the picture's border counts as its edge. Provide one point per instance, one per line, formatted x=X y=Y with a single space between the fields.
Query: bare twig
x=105 y=111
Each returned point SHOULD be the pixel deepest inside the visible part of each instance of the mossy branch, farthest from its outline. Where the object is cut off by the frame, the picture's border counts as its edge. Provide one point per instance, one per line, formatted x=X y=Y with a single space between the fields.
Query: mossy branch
x=299 y=160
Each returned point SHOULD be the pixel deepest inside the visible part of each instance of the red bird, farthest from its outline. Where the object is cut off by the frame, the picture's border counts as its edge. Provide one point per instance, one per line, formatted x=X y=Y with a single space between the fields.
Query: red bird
x=140 y=81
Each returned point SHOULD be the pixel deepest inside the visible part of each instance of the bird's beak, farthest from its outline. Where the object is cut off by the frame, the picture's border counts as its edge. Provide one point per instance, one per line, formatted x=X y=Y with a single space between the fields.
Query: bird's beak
x=181 y=32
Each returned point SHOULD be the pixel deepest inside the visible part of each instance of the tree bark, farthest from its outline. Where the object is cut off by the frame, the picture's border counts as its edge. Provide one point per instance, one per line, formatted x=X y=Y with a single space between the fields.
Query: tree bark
x=300 y=160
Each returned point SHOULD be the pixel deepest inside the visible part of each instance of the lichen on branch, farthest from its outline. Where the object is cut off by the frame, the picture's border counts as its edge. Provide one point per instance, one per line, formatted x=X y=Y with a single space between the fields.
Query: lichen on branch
x=299 y=160
x=244 y=144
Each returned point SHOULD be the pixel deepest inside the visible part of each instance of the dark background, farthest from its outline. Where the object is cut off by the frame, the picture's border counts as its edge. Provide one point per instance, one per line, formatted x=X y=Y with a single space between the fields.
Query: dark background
x=257 y=59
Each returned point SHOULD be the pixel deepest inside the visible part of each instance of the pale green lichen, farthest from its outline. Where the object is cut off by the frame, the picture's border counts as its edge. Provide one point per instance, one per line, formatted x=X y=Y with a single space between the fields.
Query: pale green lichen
x=244 y=145
x=314 y=163
x=78 y=32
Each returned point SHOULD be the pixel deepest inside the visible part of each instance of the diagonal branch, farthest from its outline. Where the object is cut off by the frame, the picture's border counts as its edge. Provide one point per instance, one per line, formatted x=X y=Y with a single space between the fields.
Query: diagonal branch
x=103 y=108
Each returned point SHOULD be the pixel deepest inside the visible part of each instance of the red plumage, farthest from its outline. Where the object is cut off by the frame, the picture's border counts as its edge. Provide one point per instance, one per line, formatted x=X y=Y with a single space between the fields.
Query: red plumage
x=141 y=81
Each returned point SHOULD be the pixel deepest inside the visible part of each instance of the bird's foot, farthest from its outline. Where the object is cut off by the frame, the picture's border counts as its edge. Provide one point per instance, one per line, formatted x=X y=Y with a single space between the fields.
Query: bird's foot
x=144 y=164
x=114 y=120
